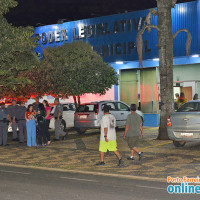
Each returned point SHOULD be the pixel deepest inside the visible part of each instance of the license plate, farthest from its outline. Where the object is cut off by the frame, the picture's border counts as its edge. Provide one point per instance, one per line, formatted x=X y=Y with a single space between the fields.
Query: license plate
x=187 y=134
x=83 y=116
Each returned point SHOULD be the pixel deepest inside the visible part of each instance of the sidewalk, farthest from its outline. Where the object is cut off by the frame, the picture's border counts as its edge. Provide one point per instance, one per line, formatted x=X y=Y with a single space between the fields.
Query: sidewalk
x=161 y=158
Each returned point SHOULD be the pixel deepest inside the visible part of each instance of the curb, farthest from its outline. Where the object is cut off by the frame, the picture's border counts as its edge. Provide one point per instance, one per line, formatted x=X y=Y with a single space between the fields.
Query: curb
x=86 y=172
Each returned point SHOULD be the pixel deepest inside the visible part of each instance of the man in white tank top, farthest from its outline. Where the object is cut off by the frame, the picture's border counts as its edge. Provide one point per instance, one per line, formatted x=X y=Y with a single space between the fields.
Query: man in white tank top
x=108 y=136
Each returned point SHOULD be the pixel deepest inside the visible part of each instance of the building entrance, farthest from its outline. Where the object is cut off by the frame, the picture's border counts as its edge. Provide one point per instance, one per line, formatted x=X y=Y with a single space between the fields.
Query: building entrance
x=139 y=86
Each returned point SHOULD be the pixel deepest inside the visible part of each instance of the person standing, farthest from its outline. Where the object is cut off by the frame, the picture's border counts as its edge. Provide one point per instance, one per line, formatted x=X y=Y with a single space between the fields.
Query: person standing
x=3 y=125
x=108 y=136
x=58 y=118
x=12 y=112
x=40 y=116
x=175 y=103
x=47 y=122
x=181 y=100
x=21 y=122
x=196 y=96
x=133 y=130
x=36 y=104
x=31 y=126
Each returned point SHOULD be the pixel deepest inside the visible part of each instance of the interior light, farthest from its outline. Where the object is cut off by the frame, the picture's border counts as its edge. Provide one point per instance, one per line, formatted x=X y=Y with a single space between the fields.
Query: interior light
x=156 y=59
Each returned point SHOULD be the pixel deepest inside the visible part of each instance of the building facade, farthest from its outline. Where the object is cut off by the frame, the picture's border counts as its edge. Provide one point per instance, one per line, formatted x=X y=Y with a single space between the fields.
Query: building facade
x=114 y=38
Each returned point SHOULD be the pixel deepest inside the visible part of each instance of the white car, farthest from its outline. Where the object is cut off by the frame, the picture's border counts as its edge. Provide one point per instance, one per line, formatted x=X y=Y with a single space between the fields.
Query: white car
x=67 y=117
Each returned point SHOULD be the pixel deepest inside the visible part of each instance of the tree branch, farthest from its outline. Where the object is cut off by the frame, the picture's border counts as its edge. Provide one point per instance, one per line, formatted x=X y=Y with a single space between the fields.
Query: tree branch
x=139 y=42
x=189 y=39
x=148 y=17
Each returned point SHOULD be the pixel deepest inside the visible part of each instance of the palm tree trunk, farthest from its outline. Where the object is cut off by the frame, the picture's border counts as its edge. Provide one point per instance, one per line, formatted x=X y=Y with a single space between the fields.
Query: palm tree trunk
x=165 y=44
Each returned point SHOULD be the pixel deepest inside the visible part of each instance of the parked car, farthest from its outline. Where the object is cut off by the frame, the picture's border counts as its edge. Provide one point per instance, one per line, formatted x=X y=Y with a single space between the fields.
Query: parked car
x=184 y=125
x=89 y=115
x=68 y=116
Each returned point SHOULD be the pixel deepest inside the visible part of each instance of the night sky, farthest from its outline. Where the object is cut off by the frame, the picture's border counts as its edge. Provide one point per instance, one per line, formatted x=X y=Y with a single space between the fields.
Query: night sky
x=44 y=12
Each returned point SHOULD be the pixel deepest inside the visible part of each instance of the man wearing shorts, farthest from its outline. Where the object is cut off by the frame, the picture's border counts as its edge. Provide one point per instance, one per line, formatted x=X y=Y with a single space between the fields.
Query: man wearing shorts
x=108 y=136
x=132 y=132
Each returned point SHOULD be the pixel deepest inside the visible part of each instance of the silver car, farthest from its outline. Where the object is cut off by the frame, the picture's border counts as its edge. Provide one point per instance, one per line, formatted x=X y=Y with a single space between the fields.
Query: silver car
x=184 y=125
x=89 y=115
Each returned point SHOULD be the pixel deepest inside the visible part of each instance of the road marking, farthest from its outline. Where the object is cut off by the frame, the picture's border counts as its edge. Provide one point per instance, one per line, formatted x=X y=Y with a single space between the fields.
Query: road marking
x=157 y=188
x=79 y=179
x=14 y=172
x=154 y=128
x=156 y=145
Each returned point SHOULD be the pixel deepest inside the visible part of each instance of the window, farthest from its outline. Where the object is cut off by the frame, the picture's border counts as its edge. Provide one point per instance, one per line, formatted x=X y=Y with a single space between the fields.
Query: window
x=72 y=107
x=122 y=107
x=111 y=105
x=67 y=107
x=87 y=108
x=190 y=107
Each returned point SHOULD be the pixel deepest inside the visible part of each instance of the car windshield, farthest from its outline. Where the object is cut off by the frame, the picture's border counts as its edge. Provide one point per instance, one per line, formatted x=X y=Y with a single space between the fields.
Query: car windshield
x=87 y=108
x=190 y=107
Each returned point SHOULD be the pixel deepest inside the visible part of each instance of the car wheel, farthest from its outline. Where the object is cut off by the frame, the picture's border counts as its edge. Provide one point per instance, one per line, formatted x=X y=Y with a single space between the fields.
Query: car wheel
x=63 y=125
x=81 y=130
x=179 y=143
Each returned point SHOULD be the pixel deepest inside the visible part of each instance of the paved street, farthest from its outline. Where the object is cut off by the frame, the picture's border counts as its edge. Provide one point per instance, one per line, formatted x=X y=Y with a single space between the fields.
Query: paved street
x=66 y=169
x=161 y=158
x=29 y=184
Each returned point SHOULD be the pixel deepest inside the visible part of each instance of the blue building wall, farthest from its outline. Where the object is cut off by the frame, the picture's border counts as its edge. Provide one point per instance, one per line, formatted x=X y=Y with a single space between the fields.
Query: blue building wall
x=114 y=37
x=198 y=22
x=184 y=16
x=152 y=120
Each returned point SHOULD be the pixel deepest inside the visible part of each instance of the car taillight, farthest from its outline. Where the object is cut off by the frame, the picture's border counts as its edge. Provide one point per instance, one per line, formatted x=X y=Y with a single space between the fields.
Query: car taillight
x=169 y=122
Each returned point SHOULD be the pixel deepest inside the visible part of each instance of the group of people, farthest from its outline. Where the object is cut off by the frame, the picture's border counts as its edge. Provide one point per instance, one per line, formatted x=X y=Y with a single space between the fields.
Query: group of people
x=25 y=119
x=133 y=131
x=180 y=100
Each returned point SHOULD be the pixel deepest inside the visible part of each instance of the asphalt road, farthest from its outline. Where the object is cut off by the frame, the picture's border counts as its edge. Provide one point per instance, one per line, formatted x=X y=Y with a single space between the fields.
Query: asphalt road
x=29 y=184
